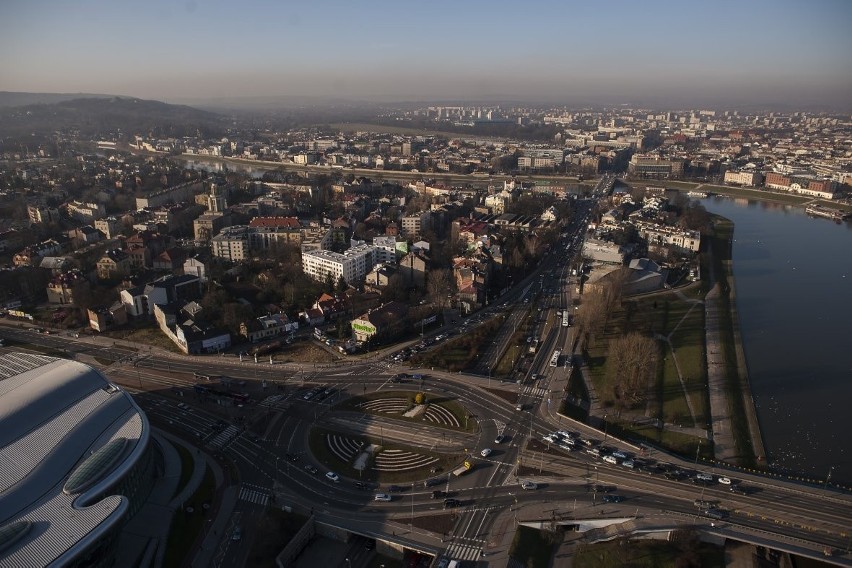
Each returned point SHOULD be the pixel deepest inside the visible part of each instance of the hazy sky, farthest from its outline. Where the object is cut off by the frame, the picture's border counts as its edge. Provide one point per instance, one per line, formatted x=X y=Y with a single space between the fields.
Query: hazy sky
x=741 y=51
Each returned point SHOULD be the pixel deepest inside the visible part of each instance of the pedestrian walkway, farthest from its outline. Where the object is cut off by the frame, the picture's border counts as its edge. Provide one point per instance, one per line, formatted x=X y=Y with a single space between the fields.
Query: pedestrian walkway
x=223 y=437
x=465 y=549
x=254 y=494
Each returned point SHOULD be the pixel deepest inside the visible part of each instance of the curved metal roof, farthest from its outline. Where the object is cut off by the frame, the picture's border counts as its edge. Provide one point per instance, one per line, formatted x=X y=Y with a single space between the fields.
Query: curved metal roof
x=54 y=414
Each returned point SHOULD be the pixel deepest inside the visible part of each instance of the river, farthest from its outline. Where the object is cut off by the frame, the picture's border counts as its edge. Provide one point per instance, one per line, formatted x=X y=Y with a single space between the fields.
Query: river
x=793 y=276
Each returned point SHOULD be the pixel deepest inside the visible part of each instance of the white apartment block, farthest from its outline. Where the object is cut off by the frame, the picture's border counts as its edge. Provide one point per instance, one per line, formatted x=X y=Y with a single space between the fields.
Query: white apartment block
x=84 y=211
x=664 y=235
x=744 y=178
x=385 y=250
x=352 y=265
x=232 y=243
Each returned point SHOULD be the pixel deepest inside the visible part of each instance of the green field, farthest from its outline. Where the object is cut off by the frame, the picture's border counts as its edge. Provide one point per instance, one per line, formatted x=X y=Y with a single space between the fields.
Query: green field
x=648 y=554
x=461 y=352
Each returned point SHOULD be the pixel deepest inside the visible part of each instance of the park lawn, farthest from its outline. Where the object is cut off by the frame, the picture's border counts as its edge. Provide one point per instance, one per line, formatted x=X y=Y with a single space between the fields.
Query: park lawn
x=532 y=548
x=186 y=527
x=644 y=554
x=272 y=534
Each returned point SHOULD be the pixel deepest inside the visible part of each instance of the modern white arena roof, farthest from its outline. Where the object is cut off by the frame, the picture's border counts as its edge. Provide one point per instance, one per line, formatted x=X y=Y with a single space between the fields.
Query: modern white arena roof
x=54 y=414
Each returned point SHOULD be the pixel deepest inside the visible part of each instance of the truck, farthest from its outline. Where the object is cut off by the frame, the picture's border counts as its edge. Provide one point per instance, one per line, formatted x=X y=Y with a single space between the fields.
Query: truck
x=463 y=469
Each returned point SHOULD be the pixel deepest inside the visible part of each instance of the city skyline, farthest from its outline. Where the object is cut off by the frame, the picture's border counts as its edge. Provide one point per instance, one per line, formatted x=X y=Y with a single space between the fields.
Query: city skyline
x=726 y=54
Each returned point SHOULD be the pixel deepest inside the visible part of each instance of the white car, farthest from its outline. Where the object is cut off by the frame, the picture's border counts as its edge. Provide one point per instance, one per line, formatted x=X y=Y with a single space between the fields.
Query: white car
x=528 y=485
x=485 y=452
x=725 y=480
x=382 y=497
x=331 y=476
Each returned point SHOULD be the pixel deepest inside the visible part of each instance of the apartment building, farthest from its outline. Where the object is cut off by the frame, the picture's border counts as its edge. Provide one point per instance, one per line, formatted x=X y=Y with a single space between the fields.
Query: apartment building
x=352 y=265
x=750 y=179
x=232 y=243
x=415 y=224
x=654 y=166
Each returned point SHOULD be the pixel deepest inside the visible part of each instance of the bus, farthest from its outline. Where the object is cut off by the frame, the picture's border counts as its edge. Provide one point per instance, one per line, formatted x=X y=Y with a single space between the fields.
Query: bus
x=554 y=360
x=567 y=319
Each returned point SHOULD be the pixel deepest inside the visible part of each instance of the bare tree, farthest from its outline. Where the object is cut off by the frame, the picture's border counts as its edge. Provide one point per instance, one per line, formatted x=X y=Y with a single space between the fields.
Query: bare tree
x=633 y=360
x=439 y=285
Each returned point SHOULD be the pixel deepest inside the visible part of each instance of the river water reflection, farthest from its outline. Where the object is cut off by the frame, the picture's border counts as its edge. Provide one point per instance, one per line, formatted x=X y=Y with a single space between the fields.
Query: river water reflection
x=794 y=296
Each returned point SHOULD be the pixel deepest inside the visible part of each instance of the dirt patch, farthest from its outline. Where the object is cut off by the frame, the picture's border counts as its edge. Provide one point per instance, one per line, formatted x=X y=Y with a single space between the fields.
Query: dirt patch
x=303 y=352
x=440 y=524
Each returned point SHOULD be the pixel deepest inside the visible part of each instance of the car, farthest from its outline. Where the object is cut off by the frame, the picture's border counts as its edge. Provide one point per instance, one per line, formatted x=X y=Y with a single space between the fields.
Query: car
x=629 y=464
x=619 y=454
x=331 y=476
x=311 y=469
x=450 y=503
x=519 y=407
x=434 y=481
x=382 y=497
x=238 y=534
x=183 y=406
x=395 y=489
x=702 y=503
x=725 y=480
x=610 y=459
x=739 y=489
x=370 y=544
x=362 y=485
x=499 y=439
x=717 y=514
x=485 y=452
x=704 y=477
x=529 y=485
x=291 y=457
x=439 y=494
x=613 y=498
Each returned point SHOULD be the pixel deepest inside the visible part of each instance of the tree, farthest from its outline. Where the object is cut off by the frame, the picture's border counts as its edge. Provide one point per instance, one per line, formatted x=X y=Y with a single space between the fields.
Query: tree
x=439 y=286
x=341 y=285
x=633 y=360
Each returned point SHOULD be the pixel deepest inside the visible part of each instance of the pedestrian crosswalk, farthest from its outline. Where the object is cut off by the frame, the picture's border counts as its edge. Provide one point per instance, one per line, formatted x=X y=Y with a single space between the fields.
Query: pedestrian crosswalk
x=270 y=401
x=254 y=494
x=224 y=437
x=538 y=392
x=462 y=551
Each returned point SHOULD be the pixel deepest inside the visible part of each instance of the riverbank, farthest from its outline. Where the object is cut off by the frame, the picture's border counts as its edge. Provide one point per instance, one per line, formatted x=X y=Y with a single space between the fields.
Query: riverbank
x=773 y=196
x=744 y=385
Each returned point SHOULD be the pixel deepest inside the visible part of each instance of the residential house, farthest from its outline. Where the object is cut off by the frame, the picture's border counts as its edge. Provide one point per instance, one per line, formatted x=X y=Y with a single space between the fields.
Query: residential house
x=197 y=266
x=107 y=317
x=114 y=263
x=60 y=288
x=170 y=260
x=381 y=323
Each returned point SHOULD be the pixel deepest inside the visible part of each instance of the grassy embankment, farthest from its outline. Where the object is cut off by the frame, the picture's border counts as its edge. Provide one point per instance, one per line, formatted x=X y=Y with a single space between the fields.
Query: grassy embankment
x=720 y=241
x=186 y=527
x=272 y=533
x=532 y=547
x=461 y=352
x=648 y=553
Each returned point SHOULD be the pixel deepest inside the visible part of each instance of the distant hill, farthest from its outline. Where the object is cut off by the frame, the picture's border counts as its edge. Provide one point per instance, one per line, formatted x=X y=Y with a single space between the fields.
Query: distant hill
x=99 y=114
x=13 y=99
